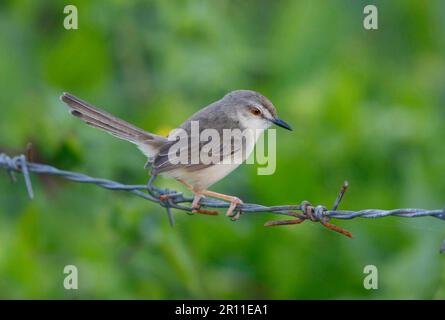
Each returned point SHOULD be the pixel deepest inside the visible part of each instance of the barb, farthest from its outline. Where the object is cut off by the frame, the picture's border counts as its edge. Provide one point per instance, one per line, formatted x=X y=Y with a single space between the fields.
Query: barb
x=171 y=199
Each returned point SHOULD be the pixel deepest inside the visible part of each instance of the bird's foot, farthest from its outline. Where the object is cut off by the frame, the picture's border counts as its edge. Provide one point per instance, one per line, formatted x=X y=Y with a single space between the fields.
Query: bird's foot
x=234 y=202
x=196 y=207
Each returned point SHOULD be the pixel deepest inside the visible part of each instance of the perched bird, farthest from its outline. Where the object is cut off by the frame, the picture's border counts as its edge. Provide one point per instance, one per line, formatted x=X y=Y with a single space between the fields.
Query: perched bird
x=240 y=109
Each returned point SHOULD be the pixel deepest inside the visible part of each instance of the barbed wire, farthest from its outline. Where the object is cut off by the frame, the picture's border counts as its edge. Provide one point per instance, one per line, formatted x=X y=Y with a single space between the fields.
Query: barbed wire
x=171 y=199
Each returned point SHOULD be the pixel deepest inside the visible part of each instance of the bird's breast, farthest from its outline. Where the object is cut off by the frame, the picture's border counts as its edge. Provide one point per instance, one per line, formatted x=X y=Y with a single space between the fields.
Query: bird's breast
x=202 y=178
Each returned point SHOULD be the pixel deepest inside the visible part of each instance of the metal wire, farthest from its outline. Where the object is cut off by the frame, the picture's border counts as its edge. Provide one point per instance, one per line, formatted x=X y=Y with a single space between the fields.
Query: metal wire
x=172 y=199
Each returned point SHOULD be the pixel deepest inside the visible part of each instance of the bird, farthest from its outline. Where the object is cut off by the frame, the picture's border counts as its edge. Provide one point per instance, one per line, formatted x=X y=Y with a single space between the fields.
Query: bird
x=239 y=109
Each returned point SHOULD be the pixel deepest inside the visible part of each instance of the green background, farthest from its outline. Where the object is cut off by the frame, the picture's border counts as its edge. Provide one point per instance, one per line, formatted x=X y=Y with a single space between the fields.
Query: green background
x=367 y=106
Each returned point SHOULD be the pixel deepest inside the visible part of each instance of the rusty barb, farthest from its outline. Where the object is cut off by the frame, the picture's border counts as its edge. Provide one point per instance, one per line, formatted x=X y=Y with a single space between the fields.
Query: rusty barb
x=171 y=199
x=315 y=214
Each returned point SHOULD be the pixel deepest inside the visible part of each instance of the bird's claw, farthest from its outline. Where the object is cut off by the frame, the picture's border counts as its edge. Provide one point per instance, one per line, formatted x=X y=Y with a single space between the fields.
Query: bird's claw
x=233 y=204
x=196 y=207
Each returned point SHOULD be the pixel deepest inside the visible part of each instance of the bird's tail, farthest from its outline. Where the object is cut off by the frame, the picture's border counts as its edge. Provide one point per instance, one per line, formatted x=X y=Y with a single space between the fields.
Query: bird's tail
x=148 y=142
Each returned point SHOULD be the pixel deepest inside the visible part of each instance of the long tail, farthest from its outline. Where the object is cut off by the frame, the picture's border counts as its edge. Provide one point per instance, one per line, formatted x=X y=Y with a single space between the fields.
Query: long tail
x=147 y=142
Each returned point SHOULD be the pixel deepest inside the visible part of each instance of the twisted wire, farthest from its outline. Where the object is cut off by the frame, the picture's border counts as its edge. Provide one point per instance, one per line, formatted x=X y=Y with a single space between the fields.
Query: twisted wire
x=176 y=200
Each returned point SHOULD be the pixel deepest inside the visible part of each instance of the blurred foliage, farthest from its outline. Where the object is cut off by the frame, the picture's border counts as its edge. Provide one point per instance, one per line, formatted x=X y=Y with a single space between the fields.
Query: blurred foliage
x=368 y=106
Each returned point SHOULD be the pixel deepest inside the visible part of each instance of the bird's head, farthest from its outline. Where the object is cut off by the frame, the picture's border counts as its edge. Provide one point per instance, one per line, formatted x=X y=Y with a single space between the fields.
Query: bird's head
x=254 y=110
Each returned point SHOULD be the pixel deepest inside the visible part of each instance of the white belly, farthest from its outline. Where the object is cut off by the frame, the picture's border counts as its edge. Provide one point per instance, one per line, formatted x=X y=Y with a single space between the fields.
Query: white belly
x=203 y=178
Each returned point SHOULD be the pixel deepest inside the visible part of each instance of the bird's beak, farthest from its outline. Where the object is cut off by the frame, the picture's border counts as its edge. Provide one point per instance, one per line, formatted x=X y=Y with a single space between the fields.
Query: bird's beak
x=281 y=123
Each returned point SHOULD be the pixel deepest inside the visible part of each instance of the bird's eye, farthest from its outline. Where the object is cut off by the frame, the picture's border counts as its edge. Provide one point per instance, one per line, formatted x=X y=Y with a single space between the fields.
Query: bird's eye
x=255 y=111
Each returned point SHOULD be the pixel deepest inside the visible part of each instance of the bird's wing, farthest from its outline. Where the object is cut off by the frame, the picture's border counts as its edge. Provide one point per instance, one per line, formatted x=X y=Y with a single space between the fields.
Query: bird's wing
x=211 y=117
x=189 y=154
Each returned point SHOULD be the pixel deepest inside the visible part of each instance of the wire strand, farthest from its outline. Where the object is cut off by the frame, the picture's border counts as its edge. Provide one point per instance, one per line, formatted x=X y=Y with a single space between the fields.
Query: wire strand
x=171 y=199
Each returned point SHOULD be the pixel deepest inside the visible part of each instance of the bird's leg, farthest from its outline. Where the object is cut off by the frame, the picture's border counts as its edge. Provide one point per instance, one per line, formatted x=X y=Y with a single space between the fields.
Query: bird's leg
x=150 y=187
x=188 y=185
x=234 y=201
x=198 y=196
x=195 y=203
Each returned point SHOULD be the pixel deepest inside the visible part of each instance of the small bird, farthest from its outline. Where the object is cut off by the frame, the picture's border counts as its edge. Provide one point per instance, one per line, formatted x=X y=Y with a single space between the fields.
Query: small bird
x=240 y=109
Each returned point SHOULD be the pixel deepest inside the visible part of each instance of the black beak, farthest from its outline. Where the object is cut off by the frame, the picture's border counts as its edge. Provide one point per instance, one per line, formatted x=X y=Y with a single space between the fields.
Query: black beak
x=281 y=123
